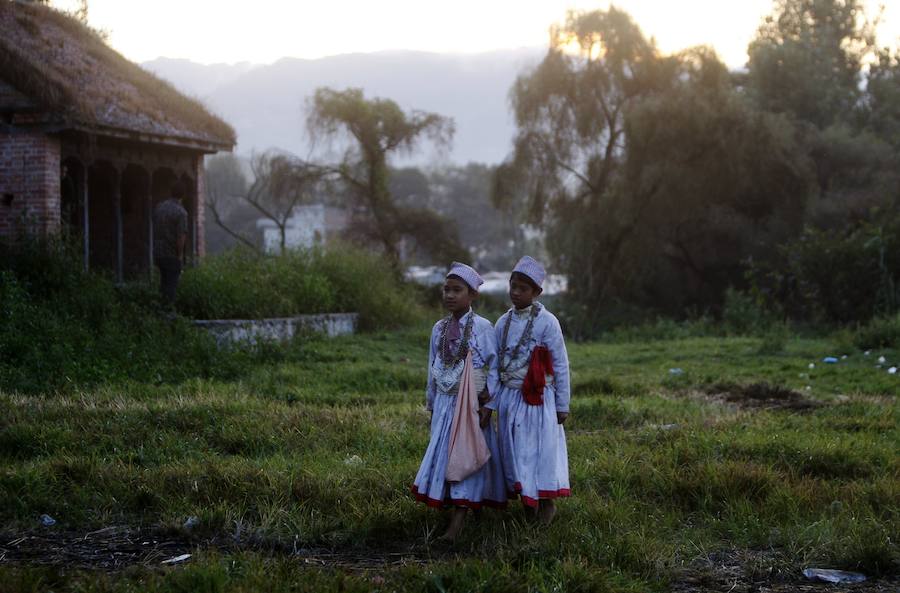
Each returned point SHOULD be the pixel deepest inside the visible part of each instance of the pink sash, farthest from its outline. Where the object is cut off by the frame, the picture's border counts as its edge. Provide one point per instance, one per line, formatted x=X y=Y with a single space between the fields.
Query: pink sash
x=468 y=450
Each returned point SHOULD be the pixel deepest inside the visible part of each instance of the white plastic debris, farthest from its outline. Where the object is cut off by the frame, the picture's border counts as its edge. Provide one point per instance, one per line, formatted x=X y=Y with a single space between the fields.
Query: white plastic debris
x=808 y=387
x=177 y=559
x=353 y=460
x=892 y=371
x=867 y=352
x=881 y=359
x=676 y=371
x=843 y=357
x=830 y=575
x=812 y=365
x=47 y=521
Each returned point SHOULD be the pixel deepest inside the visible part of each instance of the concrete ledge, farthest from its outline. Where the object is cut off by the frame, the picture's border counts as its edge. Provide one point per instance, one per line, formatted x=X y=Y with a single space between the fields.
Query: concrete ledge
x=277 y=329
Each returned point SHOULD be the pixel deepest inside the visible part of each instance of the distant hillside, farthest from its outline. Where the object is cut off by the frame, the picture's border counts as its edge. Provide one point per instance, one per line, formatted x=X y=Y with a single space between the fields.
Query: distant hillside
x=197 y=80
x=265 y=103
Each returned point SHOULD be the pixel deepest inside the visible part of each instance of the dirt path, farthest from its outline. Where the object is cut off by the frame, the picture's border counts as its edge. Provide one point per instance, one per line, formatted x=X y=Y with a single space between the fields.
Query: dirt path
x=761 y=571
x=119 y=547
x=115 y=548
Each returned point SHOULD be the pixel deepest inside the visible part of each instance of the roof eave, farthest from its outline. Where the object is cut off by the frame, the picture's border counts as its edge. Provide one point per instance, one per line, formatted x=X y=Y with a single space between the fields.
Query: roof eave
x=204 y=146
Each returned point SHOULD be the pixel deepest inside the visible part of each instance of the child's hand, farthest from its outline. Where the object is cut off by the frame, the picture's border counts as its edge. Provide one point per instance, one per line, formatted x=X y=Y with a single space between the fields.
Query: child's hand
x=561 y=417
x=483 y=397
x=485 y=415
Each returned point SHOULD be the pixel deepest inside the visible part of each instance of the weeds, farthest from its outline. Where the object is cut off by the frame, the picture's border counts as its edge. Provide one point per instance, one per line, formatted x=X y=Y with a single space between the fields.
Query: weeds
x=316 y=452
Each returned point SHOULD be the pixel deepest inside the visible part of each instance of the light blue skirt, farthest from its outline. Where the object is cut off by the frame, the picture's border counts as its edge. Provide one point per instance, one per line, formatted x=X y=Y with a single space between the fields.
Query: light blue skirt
x=533 y=450
x=485 y=487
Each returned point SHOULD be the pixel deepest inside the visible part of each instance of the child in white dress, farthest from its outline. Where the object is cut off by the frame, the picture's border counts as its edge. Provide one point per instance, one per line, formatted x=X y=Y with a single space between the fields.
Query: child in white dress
x=452 y=338
x=533 y=401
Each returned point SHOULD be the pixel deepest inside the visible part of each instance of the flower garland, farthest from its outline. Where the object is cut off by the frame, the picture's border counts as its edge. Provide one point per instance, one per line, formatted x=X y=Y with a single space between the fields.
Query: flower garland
x=523 y=339
x=452 y=359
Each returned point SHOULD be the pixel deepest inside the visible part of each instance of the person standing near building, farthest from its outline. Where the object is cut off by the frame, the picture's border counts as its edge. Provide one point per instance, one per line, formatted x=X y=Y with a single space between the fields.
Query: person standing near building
x=170 y=230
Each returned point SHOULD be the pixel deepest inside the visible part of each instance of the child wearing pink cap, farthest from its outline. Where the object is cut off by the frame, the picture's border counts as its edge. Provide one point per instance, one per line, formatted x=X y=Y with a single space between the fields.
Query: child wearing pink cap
x=454 y=337
x=533 y=401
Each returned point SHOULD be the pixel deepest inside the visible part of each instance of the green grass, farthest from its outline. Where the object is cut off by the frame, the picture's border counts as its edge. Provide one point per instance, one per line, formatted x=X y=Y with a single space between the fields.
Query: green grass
x=662 y=473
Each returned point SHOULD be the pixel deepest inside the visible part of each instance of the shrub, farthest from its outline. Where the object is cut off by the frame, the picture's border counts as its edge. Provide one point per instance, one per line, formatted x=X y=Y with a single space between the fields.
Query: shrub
x=844 y=275
x=365 y=283
x=62 y=328
x=881 y=332
x=742 y=314
x=241 y=284
x=774 y=339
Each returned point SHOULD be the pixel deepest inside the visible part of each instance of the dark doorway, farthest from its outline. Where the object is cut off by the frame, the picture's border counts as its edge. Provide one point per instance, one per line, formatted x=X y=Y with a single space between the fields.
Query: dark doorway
x=136 y=221
x=103 y=180
x=71 y=197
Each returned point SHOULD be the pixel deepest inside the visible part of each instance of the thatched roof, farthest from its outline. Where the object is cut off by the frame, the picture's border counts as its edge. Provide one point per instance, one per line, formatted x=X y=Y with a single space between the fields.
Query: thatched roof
x=70 y=72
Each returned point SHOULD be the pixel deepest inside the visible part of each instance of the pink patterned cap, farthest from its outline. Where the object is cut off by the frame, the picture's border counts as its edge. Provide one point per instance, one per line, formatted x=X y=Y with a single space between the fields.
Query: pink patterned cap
x=467 y=273
x=531 y=268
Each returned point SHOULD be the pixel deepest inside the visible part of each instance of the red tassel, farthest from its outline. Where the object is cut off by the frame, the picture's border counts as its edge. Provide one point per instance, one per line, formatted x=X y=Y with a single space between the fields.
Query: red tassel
x=540 y=365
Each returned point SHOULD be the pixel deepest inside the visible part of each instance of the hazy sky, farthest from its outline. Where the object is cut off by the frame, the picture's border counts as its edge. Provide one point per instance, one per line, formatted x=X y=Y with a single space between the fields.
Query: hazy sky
x=262 y=31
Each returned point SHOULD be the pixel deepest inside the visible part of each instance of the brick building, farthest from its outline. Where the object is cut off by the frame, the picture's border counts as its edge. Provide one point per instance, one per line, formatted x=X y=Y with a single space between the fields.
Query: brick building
x=89 y=141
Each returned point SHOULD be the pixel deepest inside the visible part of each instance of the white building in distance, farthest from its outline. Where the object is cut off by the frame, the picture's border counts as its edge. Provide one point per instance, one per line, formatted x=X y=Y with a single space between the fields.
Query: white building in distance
x=309 y=226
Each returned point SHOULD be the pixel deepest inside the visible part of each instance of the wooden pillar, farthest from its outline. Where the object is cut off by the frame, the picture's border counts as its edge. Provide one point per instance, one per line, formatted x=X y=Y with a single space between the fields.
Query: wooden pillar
x=120 y=244
x=86 y=218
x=193 y=239
x=149 y=228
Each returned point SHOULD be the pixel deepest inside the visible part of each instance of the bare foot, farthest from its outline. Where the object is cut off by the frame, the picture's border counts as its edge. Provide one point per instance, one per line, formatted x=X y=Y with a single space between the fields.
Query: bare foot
x=456 y=524
x=547 y=511
x=531 y=513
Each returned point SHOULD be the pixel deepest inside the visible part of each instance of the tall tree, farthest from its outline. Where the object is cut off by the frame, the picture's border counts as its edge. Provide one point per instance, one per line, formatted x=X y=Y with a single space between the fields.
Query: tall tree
x=881 y=111
x=807 y=59
x=653 y=176
x=378 y=129
x=731 y=182
x=566 y=163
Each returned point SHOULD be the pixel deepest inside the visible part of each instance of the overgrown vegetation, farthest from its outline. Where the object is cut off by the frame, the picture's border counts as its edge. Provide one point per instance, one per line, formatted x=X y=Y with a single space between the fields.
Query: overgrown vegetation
x=314 y=456
x=847 y=274
x=243 y=284
x=63 y=329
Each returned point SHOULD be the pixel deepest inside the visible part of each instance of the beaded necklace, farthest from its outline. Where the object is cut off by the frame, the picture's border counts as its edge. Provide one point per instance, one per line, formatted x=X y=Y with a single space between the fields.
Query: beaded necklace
x=453 y=359
x=523 y=339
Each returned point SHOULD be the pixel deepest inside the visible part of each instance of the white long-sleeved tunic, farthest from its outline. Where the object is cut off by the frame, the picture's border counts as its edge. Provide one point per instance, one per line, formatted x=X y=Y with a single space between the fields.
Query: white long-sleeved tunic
x=482 y=343
x=545 y=332
x=533 y=447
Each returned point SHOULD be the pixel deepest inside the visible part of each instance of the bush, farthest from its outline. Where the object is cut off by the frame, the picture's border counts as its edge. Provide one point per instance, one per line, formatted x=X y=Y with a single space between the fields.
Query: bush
x=844 y=275
x=241 y=284
x=61 y=328
x=664 y=329
x=742 y=314
x=881 y=332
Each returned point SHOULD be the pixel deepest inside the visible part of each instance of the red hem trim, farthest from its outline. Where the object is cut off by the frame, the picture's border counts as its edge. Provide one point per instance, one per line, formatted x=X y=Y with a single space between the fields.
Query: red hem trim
x=546 y=495
x=456 y=502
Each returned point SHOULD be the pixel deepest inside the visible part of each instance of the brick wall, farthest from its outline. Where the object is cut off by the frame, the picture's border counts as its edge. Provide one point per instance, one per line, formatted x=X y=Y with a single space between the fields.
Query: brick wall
x=29 y=183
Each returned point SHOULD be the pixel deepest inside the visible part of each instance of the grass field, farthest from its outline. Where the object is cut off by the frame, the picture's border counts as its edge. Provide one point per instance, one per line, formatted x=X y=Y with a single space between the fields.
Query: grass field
x=298 y=474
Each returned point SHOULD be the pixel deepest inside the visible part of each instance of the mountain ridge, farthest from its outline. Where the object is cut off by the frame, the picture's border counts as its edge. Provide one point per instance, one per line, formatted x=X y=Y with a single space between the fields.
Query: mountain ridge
x=266 y=102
